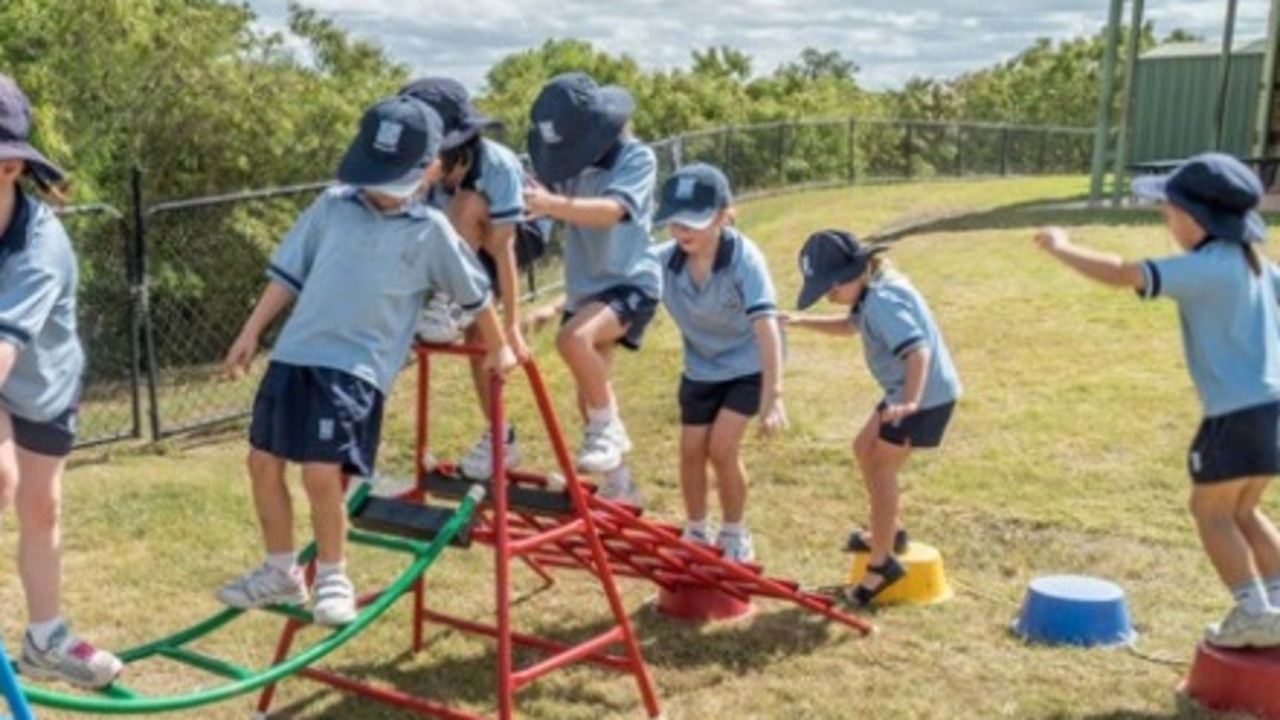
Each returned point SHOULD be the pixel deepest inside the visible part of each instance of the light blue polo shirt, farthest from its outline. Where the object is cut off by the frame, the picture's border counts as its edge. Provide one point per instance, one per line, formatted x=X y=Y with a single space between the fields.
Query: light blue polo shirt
x=894 y=319
x=1229 y=327
x=360 y=277
x=499 y=178
x=716 y=319
x=38 y=313
x=597 y=259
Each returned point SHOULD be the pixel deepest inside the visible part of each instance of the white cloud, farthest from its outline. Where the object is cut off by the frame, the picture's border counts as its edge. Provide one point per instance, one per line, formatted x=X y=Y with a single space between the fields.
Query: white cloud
x=464 y=38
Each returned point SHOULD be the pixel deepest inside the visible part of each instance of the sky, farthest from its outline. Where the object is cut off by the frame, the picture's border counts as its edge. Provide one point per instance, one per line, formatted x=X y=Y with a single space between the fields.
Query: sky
x=932 y=38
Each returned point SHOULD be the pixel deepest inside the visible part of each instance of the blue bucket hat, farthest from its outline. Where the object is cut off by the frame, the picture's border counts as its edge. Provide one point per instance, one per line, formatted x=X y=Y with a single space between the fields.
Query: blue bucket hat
x=398 y=138
x=830 y=258
x=573 y=122
x=453 y=103
x=15 y=130
x=693 y=196
x=1219 y=191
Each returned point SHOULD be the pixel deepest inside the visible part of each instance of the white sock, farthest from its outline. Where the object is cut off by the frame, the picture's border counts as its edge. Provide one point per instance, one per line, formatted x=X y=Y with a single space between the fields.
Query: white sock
x=1273 y=590
x=1252 y=596
x=326 y=569
x=620 y=475
x=285 y=561
x=42 y=632
x=697 y=526
x=601 y=416
x=732 y=528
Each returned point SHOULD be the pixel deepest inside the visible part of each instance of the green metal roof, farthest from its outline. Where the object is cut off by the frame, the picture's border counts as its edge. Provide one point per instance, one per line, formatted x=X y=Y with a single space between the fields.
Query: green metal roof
x=1201 y=49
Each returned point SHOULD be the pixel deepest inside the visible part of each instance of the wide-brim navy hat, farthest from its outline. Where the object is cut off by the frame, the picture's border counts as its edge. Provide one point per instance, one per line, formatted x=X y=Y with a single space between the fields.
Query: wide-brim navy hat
x=693 y=196
x=398 y=137
x=15 y=130
x=1216 y=189
x=573 y=122
x=830 y=258
x=452 y=102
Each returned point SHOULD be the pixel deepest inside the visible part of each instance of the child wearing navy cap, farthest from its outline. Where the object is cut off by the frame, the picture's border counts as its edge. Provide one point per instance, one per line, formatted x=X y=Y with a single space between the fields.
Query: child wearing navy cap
x=597 y=181
x=356 y=267
x=41 y=364
x=1226 y=295
x=906 y=354
x=717 y=288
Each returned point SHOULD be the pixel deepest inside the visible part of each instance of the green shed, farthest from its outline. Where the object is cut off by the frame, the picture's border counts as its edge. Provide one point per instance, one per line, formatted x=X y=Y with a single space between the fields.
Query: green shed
x=1175 y=90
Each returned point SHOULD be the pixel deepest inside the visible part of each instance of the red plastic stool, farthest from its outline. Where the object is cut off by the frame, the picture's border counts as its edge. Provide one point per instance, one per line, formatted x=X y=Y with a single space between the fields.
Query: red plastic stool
x=701 y=604
x=1246 y=681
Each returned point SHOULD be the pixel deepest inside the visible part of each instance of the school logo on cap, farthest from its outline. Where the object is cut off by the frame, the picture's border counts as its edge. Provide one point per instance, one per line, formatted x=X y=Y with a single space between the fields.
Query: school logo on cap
x=548 y=130
x=388 y=136
x=806 y=265
x=685 y=187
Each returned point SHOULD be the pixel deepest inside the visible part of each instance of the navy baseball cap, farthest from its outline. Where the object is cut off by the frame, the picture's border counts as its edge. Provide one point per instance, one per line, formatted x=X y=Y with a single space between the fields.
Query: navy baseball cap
x=573 y=122
x=830 y=258
x=398 y=138
x=1219 y=191
x=693 y=196
x=452 y=102
x=15 y=130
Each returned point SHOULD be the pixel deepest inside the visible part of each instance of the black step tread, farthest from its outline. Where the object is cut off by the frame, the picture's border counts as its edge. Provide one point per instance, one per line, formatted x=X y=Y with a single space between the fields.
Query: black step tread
x=408 y=519
x=519 y=497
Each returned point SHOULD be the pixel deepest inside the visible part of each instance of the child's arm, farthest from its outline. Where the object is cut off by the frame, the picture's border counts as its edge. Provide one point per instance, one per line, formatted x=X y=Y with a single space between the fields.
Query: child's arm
x=536 y=320
x=500 y=243
x=773 y=416
x=498 y=357
x=275 y=298
x=1103 y=267
x=594 y=212
x=917 y=362
x=828 y=324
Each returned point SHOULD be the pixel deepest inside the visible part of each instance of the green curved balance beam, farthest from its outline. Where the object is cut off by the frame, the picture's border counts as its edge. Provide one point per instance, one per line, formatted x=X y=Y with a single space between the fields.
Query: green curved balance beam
x=118 y=700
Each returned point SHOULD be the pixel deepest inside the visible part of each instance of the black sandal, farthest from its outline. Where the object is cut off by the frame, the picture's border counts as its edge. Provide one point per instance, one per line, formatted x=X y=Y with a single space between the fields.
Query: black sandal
x=860 y=541
x=890 y=572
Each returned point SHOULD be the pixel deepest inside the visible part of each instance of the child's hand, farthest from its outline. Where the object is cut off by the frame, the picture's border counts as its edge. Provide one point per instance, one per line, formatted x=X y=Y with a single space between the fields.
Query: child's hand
x=774 y=418
x=536 y=320
x=893 y=413
x=785 y=317
x=500 y=360
x=240 y=356
x=537 y=200
x=515 y=339
x=1052 y=238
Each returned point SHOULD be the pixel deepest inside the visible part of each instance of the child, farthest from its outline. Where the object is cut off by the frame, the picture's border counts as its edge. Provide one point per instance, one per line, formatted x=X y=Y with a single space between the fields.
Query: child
x=482 y=190
x=357 y=265
x=716 y=286
x=600 y=186
x=907 y=356
x=41 y=363
x=1226 y=295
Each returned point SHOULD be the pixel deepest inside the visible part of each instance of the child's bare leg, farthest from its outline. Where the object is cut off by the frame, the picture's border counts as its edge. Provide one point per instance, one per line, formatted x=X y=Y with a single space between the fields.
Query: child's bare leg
x=882 y=486
x=323 y=482
x=39 y=507
x=1258 y=530
x=725 y=450
x=580 y=342
x=693 y=470
x=1214 y=508
x=864 y=449
x=479 y=377
x=271 y=500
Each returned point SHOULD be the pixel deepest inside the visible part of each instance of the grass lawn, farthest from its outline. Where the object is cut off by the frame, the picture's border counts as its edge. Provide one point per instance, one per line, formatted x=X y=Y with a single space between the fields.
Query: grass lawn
x=1065 y=456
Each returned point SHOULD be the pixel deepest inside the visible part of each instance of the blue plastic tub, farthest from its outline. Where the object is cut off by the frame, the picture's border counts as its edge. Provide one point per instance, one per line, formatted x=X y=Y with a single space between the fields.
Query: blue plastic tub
x=1074 y=610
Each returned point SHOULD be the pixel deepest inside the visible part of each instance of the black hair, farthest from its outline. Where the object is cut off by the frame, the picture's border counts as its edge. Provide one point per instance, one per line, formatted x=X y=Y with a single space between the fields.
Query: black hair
x=464 y=154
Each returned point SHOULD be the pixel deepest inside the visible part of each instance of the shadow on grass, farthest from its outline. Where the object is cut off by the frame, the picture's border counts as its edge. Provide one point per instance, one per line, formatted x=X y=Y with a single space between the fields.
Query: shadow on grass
x=467 y=683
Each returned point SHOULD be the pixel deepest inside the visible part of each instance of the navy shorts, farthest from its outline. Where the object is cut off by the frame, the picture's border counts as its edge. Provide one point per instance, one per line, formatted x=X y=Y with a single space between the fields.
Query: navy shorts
x=700 y=402
x=321 y=415
x=1244 y=443
x=922 y=428
x=54 y=438
x=634 y=309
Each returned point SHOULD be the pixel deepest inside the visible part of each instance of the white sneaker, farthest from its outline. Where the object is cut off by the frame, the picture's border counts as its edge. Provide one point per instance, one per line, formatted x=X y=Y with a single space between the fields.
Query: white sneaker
x=442 y=321
x=477 y=464
x=695 y=535
x=335 y=600
x=603 y=445
x=737 y=546
x=70 y=660
x=617 y=487
x=1241 y=629
x=265 y=585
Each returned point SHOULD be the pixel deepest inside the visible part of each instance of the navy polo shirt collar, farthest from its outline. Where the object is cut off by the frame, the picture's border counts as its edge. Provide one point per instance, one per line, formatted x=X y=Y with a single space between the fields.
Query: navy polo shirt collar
x=15 y=235
x=724 y=254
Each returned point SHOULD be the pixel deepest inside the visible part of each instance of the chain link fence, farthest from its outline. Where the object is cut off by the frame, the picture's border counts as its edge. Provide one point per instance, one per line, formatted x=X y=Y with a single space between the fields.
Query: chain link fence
x=165 y=290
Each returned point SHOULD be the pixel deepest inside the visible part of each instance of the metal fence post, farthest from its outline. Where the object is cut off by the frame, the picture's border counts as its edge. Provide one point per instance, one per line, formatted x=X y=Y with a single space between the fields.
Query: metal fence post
x=853 y=150
x=908 y=141
x=144 y=299
x=782 y=153
x=1004 y=150
x=959 y=170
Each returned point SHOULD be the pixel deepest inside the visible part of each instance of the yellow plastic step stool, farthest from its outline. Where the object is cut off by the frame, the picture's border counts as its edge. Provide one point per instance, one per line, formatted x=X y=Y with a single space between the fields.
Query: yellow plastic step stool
x=925 y=581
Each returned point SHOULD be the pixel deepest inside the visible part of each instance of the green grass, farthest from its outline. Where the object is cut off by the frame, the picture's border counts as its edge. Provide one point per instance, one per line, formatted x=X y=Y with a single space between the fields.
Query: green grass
x=1065 y=456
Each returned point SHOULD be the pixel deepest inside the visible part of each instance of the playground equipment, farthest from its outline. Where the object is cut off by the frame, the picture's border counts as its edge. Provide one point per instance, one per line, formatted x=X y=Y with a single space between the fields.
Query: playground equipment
x=11 y=691
x=546 y=521
x=1074 y=610
x=1241 y=681
x=925 y=582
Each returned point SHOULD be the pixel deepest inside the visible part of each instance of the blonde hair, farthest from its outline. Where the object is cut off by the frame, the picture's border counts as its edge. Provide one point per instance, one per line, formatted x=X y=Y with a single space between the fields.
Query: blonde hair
x=880 y=266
